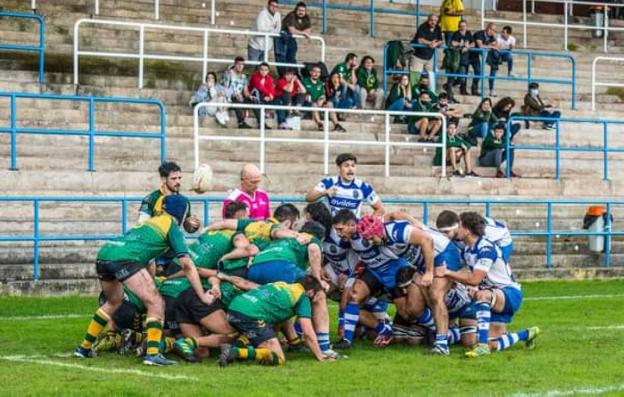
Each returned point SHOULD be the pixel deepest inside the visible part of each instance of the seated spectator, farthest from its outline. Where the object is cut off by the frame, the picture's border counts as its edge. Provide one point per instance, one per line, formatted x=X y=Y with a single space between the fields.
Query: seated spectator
x=534 y=106
x=443 y=107
x=427 y=127
x=315 y=97
x=507 y=42
x=502 y=112
x=400 y=96
x=262 y=90
x=337 y=94
x=429 y=37
x=482 y=121
x=485 y=39
x=268 y=20
x=295 y=22
x=289 y=90
x=424 y=85
x=235 y=82
x=211 y=92
x=494 y=152
x=457 y=149
x=348 y=76
x=369 y=84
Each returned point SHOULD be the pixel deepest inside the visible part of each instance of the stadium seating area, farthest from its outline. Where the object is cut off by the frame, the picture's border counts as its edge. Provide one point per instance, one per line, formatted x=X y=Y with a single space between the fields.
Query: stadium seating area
x=56 y=165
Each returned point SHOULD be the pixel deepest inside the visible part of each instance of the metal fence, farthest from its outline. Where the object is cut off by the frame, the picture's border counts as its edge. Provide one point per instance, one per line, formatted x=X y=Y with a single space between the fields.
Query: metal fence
x=604 y=83
x=19 y=47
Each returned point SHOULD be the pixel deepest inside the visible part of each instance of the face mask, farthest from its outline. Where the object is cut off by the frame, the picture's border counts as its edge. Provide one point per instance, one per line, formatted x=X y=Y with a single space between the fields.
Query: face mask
x=424 y=86
x=534 y=92
x=425 y=103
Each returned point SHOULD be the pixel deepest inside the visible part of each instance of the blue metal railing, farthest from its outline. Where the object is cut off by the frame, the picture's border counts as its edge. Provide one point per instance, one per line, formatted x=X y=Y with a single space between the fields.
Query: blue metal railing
x=550 y=233
x=371 y=9
x=92 y=132
x=557 y=148
x=17 y=47
x=529 y=54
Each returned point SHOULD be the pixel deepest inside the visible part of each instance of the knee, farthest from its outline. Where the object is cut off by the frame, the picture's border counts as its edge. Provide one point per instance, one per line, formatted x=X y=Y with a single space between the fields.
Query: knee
x=485 y=296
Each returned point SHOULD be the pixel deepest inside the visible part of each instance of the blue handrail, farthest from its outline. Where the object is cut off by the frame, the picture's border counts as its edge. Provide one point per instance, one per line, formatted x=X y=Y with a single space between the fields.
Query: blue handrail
x=40 y=48
x=530 y=54
x=557 y=148
x=36 y=238
x=92 y=132
x=371 y=9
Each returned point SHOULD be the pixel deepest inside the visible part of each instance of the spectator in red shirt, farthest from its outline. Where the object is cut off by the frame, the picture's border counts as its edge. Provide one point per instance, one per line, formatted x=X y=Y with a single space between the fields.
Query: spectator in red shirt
x=262 y=90
x=250 y=193
x=290 y=91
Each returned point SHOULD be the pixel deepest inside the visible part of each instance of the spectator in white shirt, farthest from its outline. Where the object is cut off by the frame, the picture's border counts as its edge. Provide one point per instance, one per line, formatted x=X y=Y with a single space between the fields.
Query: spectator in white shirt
x=507 y=42
x=268 y=21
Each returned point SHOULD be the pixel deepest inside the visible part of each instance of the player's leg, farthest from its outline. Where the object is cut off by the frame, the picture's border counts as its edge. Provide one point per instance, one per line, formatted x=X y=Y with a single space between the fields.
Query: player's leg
x=187 y=346
x=320 y=319
x=358 y=293
x=264 y=347
x=483 y=302
x=437 y=293
x=508 y=302
x=412 y=306
x=468 y=331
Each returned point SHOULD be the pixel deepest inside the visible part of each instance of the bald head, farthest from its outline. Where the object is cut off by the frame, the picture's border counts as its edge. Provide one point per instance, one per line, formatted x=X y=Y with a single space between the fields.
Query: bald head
x=250 y=178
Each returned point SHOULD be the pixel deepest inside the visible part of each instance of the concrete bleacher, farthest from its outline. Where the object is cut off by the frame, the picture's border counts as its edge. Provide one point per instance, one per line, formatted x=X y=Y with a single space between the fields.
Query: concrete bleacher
x=56 y=165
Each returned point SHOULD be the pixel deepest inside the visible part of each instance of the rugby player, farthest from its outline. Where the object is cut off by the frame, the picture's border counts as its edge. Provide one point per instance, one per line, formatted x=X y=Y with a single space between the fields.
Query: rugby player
x=345 y=191
x=123 y=261
x=497 y=295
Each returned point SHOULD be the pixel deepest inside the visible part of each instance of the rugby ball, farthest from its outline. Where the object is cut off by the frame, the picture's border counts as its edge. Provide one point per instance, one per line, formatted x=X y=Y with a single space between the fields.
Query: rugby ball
x=202 y=179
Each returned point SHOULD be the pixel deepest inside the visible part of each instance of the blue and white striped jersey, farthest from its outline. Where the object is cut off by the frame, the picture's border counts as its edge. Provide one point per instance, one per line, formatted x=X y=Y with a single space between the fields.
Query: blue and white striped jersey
x=395 y=245
x=349 y=195
x=497 y=232
x=487 y=256
x=338 y=253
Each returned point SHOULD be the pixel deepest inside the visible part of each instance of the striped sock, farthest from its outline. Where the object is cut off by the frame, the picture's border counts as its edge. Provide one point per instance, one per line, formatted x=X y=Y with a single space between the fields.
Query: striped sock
x=340 y=322
x=97 y=324
x=426 y=319
x=453 y=335
x=351 y=317
x=506 y=341
x=441 y=340
x=483 y=321
x=154 y=334
x=377 y=308
x=323 y=340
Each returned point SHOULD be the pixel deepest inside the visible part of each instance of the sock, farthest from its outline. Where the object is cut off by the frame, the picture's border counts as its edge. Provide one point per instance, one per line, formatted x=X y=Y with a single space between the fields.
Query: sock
x=340 y=322
x=441 y=340
x=453 y=335
x=378 y=309
x=261 y=355
x=154 y=335
x=483 y=321
x=111 y=333
x=168 y=344
x=97 y=324
x=351 y=317
x=323 y=340
x=426 y=319
x=510 y=339
x=382 y=328
x=298 y=329
x=191 y=341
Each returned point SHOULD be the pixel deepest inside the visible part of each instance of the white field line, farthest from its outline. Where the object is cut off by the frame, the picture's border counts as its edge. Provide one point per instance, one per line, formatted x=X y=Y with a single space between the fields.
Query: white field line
x=614 y=326
x=45 y=317
x=589 y=391
x=572 y=297
x=48 y=362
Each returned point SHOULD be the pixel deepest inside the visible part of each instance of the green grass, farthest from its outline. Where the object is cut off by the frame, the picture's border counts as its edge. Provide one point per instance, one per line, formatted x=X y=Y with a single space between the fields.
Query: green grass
x=617 y=91
x=569 y=356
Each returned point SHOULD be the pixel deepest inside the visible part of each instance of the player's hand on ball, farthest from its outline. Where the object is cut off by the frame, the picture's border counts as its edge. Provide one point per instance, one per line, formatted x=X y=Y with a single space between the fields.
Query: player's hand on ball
x=192 y=224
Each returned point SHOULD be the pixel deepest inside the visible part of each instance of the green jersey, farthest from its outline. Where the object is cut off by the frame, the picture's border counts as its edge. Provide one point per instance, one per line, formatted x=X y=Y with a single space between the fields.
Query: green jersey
x=173 y=287
x=146 y=241
x=152 y=204
x=210 y=247
x=258 y=232
x=273 y=303
x=315 y=90
x=228 y=293
x=288 y=249
x=343 y=70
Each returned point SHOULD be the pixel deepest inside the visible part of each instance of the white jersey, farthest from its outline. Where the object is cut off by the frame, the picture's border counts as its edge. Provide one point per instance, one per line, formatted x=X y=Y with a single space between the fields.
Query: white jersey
x=497 y=232
x=338 y=253
x=349 y=195
x=487 y=256
x=395 y=246
x=440 y=244
x=506 y=44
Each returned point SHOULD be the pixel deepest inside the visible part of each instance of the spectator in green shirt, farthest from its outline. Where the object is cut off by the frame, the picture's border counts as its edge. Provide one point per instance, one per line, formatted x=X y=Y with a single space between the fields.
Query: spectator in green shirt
x=494 y=152
x=424 y=85
x=348 y=76
x=457 y=149
x=400 y=96
x=316 y=97
x=369 y=84
x=482 y=120
x=427 y=127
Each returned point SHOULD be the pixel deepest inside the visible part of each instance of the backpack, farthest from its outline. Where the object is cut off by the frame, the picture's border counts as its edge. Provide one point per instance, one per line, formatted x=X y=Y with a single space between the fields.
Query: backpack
x=398 y=54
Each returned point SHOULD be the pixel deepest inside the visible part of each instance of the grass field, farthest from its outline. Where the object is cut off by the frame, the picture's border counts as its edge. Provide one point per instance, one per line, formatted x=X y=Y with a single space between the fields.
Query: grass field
x=579 y=353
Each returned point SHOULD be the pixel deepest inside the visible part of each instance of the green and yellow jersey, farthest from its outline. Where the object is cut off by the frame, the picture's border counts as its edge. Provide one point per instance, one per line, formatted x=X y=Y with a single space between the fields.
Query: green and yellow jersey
x=173 y=287
x=210 y=247
x=258 y=232
x=228 y=292
x=146 y=241
x=288 y=249
x=273 y=303
x=153 y=202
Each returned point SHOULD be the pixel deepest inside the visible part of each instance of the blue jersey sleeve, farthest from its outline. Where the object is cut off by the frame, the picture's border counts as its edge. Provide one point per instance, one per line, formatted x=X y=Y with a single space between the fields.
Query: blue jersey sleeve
x=324 y=184
x=369 y=193
x=399 y=232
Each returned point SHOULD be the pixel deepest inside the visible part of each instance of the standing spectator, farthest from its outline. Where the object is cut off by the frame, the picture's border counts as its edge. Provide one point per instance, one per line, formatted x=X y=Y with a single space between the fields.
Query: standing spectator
x=485 y=39
x=534 y=106
x=316 y=97
x=451 y=12
x=400 y=96
x=482 y=121
x=295 y=22
x=369 y=83
x=268 y=20
x=461 y=42
x=289 y=90
x=429 y=36
x=250 y=193
x=427 y=127
x=457 y=149
x=262 y=90
x=494 y=152
x=211 y=92
x=502 y=112
x=347 y=72
x=506 y=43
x=337 y=94
x=235 y=82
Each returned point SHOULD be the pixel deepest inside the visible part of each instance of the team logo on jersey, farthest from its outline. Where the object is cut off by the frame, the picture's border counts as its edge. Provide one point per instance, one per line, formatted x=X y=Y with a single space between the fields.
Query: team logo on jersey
x=356 y=194
x=333 y=249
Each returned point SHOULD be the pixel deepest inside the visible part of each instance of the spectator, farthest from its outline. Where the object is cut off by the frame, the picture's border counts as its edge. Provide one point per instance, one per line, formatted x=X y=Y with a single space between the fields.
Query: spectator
x=502 y=112
x=268 y=20
x=400 y=96
x=249 y=193
x=369 y=83
x=507 y=43
x=459 y=49
x=262 y=90
x=534 y=106
x=211 y=92
x=235 y=82
x=427 y=127
x=494 y=152
x=295 y=22
x=347 y=72
x=429 y=36
x=424 y=85
x=337 y=94
x=484 y=39
x=443 y=107
x=316 y=97
x=290 y=92
x=482 y=120
x=457 y=149
x=451 y=12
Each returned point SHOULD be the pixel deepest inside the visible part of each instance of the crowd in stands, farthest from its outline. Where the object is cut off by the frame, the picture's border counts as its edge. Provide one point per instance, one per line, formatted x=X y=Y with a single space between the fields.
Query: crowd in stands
x=354 y=84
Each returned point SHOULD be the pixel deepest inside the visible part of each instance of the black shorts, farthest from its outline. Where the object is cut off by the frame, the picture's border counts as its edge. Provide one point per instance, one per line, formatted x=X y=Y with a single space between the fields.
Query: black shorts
x=112 y=270
x=170 y=313
x=256 y=330
x=376 y=288
x=128 y=316
x=190 y=309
